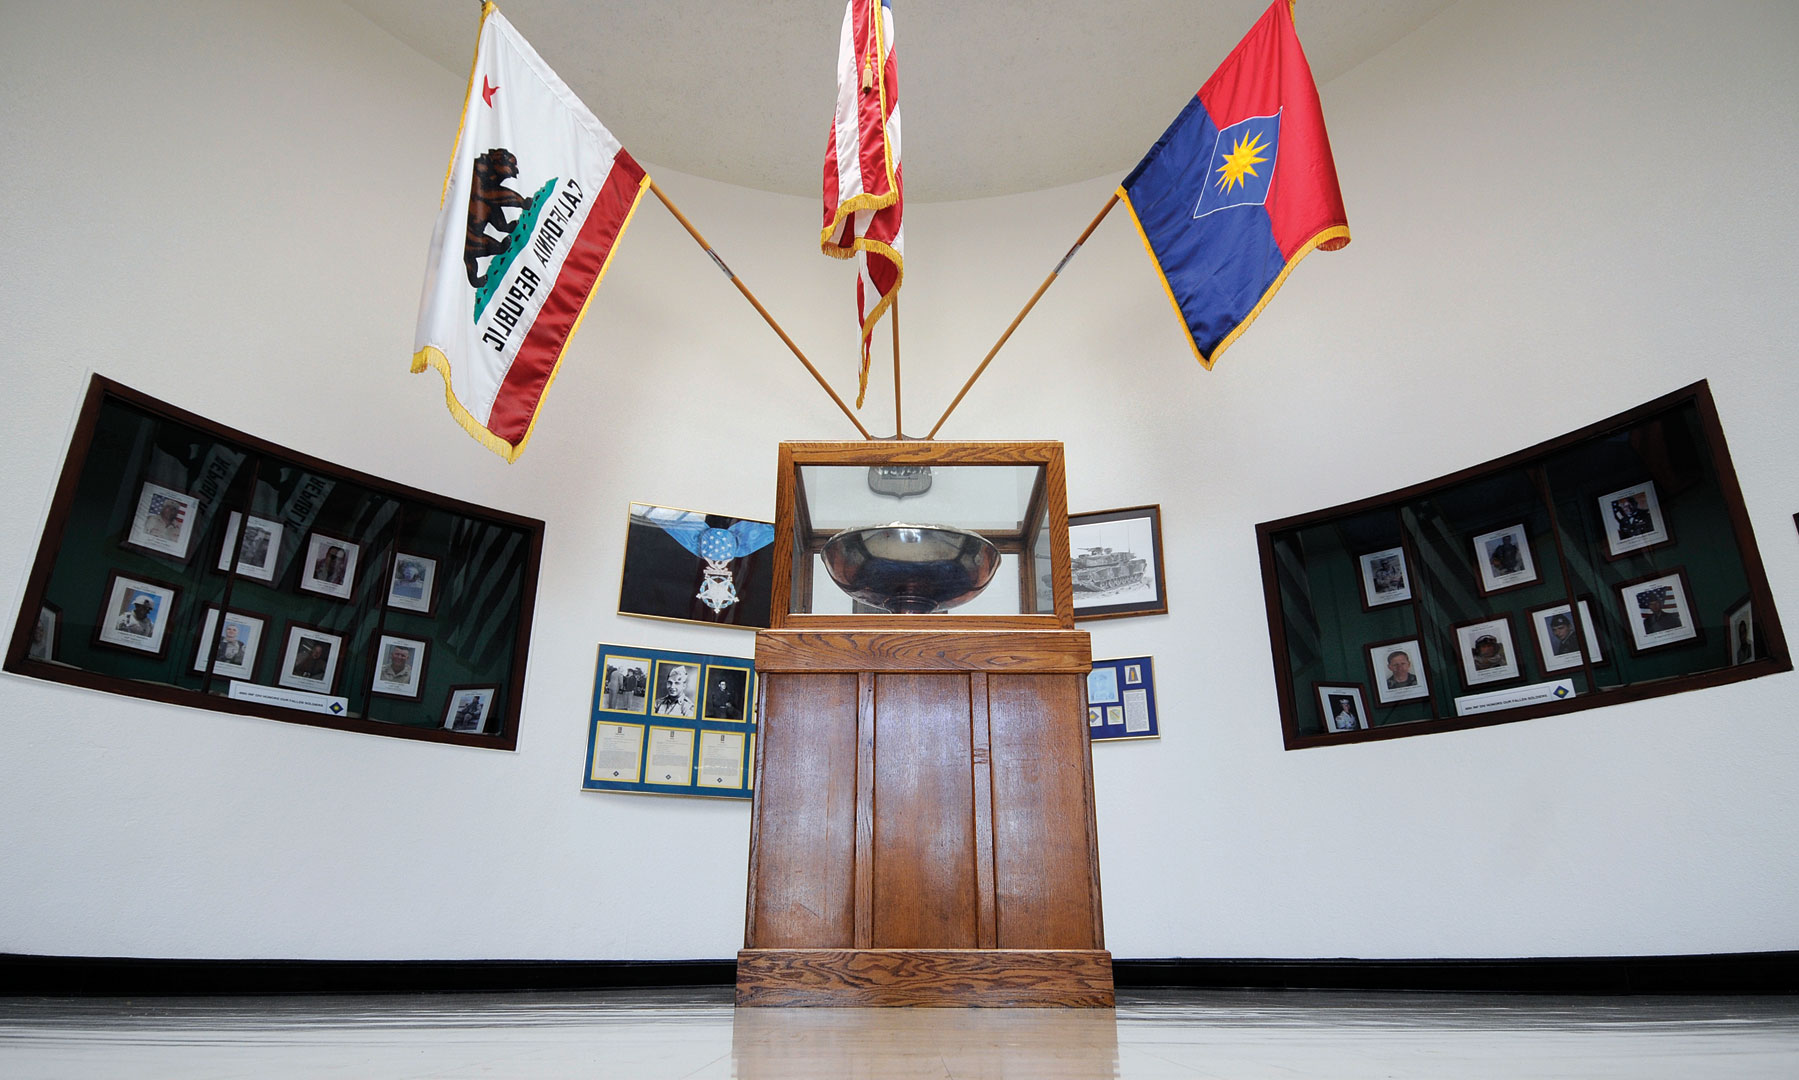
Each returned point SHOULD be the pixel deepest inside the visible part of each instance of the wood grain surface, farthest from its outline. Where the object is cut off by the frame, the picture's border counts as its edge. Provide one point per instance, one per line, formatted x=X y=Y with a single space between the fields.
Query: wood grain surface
x=924 y=863
x=803 y=828
x=1067 y=978
x=976 y=650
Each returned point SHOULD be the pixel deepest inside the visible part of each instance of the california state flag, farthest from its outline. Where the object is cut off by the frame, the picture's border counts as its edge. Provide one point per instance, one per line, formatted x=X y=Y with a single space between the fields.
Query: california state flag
x=542 y=192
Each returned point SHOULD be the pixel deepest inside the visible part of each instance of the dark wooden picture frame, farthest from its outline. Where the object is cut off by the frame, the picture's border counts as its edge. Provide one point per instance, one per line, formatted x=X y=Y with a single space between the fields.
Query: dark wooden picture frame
x=1370 y=585
x=422 y=656
x=206 y=661
x=451 y=711
x=1590 y=646
x=284 y=671
x=1467 y=638
x=107 y=625
x=48 y=632
x=1632 y=596
x=308 y=581
x=1420 y=667
x=1659 y=531
x=1097 y=568
x=426 y=603
x=137 y=536
x=1740 y=614
x=1485 y=554
x=231 y=548
x=1323 y=693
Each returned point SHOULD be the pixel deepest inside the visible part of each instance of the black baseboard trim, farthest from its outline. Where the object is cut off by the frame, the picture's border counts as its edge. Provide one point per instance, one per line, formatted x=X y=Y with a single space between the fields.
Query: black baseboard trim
x=1719 y=973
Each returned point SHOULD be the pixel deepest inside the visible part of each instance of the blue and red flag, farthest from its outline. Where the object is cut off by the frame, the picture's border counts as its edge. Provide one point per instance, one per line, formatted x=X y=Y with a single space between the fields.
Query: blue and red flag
x=1240 y=187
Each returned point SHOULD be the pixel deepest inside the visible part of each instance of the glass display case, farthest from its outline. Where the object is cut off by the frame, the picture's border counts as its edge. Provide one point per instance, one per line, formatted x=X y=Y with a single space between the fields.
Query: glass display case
x=189 y=563
x=1611 y=564
x=898 y=532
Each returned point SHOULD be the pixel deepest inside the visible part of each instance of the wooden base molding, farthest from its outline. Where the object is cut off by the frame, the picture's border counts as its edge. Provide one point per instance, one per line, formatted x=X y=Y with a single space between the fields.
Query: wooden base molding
x=988 y=978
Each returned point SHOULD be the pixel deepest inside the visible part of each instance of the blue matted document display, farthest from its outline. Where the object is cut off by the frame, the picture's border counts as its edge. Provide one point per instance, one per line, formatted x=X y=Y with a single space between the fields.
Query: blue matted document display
x=671 y=723
x=1121 y=700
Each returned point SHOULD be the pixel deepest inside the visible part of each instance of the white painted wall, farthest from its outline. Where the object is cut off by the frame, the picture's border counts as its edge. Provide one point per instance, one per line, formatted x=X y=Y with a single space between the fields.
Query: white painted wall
x=1560 y=211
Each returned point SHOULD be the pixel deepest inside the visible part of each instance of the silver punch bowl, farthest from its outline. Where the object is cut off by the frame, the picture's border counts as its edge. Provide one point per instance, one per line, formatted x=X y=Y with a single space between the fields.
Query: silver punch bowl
x=911 y=569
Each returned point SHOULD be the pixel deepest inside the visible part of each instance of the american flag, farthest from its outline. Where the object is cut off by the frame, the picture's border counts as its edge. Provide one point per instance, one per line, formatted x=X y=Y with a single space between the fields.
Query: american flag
x=862 y=188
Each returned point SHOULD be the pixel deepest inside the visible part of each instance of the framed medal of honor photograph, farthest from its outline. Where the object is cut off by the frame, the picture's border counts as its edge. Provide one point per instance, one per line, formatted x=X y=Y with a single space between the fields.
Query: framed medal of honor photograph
x=694 y=567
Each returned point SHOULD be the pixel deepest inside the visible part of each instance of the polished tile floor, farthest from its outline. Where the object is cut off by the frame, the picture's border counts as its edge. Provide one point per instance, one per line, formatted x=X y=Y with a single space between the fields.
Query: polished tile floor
x=674 y=1035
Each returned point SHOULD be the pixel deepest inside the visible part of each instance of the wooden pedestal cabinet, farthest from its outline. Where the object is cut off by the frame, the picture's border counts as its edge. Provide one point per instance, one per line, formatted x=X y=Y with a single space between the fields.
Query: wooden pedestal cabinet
x=923 y=829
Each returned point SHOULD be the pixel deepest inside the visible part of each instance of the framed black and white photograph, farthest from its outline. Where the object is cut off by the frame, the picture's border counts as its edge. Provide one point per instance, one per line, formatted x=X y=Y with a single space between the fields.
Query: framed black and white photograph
x=1487 y=651
x=413 y=584
x=1739 y=626
x=677 y=689
x=694 y=567
x=1559 y=640
x=257 y=543
x=46 y=633
x=1658 y=611
x=233 y=647
x=399 y=667
x=1396 y=670
x=163 y=522
x=1504 y=560
x=328 y=567
x=624 y=684
x=1632 y=519
x=310 y=659
x=136 y=614
x=727 y=695
x=1115 y=560
x=1341 y=707
x=467 y=707
x=1385 y=578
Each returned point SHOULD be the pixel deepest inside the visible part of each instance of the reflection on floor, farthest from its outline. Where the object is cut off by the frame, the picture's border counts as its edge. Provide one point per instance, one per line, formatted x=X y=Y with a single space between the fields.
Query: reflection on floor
x=696 y=1035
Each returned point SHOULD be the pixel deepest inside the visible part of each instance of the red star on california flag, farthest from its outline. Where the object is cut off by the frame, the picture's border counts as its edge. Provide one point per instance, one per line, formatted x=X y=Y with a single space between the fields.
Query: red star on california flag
x=488 y=90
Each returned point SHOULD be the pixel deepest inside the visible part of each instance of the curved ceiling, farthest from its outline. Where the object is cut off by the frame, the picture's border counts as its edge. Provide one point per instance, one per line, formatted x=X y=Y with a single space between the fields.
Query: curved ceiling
x=998 y=96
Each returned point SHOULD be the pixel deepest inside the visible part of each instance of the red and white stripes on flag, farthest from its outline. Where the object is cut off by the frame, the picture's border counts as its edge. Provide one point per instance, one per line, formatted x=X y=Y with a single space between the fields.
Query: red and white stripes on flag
x=863 y=200
x=535 y=201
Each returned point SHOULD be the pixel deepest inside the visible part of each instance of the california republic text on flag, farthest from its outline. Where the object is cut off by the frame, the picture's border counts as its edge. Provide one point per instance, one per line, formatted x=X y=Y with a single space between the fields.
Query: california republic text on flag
x=1240 y=187
x=543 y=192
x=863 y=199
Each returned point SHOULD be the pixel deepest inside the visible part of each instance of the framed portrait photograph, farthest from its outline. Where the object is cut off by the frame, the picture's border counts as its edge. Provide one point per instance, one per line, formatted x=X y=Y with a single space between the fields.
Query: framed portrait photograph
x=136 y=614
x=1739 y=627
x=677 y=689
x=624 y=684
x=1487 y=652
x=399 y=667
x=466 y=708
x=1341 y=707
x=310 y=659
x=163 y=522
x=256 y=541
x=328 y=566
x=412 y=586
x=694 y=567
x=232 y=648
x=1504 y=560
x=1115 y=558
x=727 y=695
x=45 y=633
x=1396 y=669
x=1632 y=520
x=1385 y=578
x=1658 y=611
x=1560 y=641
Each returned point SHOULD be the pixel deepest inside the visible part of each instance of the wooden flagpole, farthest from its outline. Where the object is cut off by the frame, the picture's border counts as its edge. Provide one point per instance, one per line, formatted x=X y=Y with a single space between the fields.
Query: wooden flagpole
x=760 y=310
x=898 y=427
x=1041 y=289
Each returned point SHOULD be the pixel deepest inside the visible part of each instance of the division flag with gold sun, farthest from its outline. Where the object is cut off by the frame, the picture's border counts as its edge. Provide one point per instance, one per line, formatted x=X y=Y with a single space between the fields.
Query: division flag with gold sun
x=1240 y=187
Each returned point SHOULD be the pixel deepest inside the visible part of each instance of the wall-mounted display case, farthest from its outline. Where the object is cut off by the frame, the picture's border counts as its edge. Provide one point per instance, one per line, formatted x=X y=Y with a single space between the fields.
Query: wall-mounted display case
x=1611 y=564
x=190 y=563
